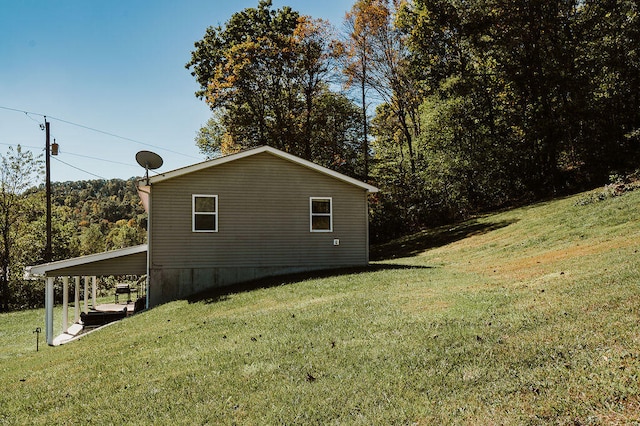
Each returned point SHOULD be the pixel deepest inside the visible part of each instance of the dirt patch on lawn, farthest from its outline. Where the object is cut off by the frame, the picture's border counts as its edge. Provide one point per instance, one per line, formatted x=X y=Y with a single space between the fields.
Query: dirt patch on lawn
x=534 y=266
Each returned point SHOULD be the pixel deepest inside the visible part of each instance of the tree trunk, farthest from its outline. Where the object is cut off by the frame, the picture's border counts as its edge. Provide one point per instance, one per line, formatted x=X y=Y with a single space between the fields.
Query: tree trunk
x=402 y=117
x=4 y=307
x=365 y=136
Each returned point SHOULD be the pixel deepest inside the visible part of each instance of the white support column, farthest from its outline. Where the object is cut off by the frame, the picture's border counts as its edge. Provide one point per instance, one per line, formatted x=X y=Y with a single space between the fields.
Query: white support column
x=48 y=308
x=65 y=304
x=86 y=295
x=76 y=301
x=94 y=286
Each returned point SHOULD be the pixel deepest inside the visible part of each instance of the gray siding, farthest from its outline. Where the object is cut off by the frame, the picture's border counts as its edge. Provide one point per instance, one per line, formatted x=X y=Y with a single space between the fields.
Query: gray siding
x=263 y=204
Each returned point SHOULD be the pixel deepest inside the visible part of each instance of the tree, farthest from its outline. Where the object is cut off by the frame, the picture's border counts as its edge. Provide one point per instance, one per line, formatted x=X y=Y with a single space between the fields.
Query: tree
x=378 y=57
x=266 y=76
x=243 y=69
x=335 y=131
x=392 y=77
x=511 y=65
x=608 y=63
x=517 y=100
x=124 y=234
x=18 y=171
x=247 y=73
x=92 y=240
x=536 y=53
x=334 y=134
x=213 y=140
x=312 y=42
x=356 y=50
x=87 y=217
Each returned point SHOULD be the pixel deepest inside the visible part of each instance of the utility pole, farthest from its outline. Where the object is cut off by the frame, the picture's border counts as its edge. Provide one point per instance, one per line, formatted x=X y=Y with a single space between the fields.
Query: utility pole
x=47 y=249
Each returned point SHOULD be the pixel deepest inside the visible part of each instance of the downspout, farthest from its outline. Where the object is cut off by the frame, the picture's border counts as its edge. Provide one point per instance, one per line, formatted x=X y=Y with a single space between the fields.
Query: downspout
x=144 y=192
x=149 y=245
x=366 y=223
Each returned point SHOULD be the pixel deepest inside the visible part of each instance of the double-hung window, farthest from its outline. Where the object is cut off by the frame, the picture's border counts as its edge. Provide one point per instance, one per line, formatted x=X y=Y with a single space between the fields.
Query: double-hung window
x=205 y=213
x=321 y=214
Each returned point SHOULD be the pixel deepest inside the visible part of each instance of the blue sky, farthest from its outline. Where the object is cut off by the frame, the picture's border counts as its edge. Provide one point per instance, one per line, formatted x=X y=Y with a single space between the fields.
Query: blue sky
x=115 y=66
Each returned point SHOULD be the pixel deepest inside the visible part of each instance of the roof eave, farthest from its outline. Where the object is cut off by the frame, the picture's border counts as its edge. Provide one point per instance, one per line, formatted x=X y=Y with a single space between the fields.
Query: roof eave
x=243 y=154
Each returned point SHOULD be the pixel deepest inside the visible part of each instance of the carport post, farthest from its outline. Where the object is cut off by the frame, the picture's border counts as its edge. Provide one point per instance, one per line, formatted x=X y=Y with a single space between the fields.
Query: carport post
x=65 y=304
x=93 y=291
x=48 y=308
x=86 y=295
x=76 y=301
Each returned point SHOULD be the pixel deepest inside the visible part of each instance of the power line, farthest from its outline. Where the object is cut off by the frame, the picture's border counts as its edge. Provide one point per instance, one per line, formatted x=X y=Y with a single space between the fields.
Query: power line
x=100 y=159
x=23 y=146
x=79 y=155
x=20 y=110
x=78 y=168
x=39 y=148
x=97 y=131
x=30 y=117
x=120 y=137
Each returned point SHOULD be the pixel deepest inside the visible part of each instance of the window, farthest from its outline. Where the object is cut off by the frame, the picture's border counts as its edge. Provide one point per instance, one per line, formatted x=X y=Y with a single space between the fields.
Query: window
x=321 y=214
x=205 y=213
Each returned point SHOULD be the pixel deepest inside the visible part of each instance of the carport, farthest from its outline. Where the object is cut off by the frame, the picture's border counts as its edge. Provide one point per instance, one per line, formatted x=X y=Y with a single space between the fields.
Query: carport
x=127 y=261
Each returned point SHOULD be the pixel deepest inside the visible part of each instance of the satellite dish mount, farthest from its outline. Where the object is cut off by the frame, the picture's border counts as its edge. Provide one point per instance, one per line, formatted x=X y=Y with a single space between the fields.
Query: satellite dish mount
x=150 y=161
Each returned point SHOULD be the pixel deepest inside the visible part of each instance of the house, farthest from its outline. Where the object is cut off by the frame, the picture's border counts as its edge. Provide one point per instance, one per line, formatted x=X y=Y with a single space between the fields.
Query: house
x=241 y=217
x=245 y=216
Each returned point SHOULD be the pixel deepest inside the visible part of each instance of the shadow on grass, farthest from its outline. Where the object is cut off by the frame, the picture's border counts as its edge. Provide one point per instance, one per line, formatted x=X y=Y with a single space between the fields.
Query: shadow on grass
x=415 y=244
x=221 y=293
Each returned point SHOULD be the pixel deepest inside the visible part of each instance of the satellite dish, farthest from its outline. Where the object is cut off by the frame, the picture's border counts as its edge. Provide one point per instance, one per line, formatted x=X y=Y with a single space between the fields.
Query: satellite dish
x=150 y=161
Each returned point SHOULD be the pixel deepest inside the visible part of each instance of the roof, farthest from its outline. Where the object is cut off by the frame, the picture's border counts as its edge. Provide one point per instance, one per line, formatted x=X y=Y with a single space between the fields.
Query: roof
x=126 y=261
x=273 y=151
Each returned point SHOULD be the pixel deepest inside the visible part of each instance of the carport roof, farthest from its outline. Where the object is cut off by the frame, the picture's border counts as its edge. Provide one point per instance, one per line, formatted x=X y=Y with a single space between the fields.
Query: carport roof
x=126 y=261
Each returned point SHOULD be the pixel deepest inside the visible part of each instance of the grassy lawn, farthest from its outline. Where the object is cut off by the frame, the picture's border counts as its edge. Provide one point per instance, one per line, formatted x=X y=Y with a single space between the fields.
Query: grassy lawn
x=525 y=317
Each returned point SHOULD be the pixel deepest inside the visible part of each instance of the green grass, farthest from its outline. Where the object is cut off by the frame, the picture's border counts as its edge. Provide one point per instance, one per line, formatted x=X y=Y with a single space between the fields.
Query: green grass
x=524 y=317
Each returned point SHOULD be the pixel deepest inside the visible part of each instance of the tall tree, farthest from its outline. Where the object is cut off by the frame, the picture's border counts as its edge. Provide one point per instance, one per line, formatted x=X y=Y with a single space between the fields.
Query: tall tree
x=213 y=140
x=511 y=64
x=536 y=52
x=244 y=70
x=356 y=50
x=608 y=63
x=390 y=74
x=311 y=39
x=518 y=100
x=264 y=75
x=18 y=171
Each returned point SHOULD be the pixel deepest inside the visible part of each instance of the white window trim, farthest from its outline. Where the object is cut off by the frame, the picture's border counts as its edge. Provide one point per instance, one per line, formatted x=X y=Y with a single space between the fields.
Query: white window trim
x=194 y=213
x=311 y=214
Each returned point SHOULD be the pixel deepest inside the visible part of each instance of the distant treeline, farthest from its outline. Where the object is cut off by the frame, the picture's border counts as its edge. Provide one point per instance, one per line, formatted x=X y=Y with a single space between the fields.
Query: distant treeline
x=96 y=215
x=87 y=217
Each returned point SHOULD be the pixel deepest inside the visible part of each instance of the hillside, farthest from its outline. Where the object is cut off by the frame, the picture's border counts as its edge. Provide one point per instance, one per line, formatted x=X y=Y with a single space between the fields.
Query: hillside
x=528 y=316
x=87 y=217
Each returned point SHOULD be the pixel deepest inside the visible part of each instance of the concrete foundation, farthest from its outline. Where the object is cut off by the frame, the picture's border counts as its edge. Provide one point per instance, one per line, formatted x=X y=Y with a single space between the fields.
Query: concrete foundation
x=172 y=284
